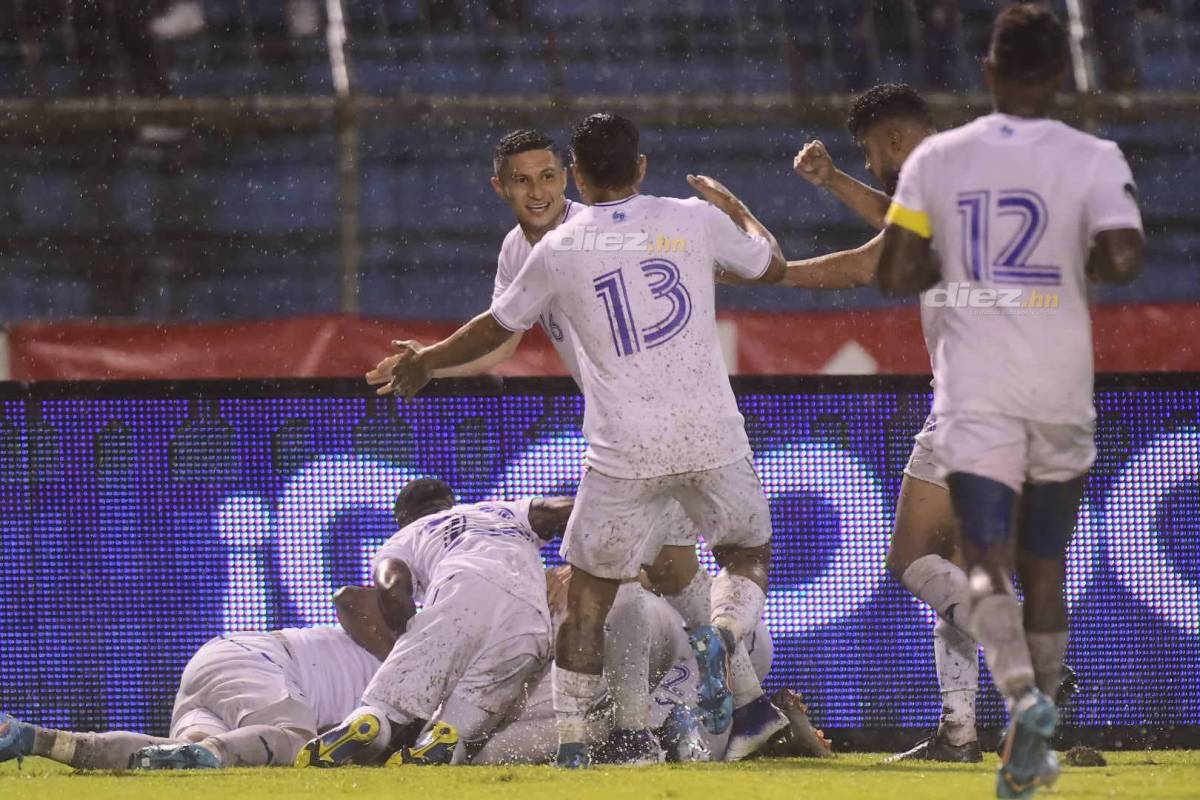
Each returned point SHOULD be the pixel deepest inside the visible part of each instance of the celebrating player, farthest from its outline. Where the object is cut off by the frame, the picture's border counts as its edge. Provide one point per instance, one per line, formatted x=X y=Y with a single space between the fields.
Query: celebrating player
x=245 y=699
x=530 y=176
x=484 y=630
x=1012 y=203
x=660 y=417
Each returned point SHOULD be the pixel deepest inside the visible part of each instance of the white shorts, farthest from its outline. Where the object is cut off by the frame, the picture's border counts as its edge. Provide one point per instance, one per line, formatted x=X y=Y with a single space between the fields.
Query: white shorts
x=612 y=525
x=238 y=680
x=923 y=463
x=1013 y=450
x=673 y=528
x=473 y=639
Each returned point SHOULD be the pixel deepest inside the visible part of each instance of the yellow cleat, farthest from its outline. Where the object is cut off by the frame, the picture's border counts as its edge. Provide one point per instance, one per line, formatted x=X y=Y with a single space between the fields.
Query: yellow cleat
x=341 y=745
x=435 y=746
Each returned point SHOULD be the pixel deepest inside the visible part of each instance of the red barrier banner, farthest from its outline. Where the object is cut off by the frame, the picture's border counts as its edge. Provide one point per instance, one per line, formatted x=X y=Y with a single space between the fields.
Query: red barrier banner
x=1129 y=338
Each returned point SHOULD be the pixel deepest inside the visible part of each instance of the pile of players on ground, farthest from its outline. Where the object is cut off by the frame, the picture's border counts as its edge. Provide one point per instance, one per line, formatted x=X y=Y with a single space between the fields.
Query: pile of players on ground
x=465 y=681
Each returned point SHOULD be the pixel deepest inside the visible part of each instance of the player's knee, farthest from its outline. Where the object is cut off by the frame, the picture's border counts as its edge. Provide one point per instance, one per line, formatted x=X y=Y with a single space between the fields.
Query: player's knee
x=985 y=509
x=749 y=562
x=1048 y=512
x=673 y=569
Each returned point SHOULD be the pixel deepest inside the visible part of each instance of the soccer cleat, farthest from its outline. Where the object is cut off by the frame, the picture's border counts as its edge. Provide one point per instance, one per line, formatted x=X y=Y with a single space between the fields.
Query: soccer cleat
x=341 y=745
x=680 y=736
x=753 y=726
x=174 y=756
x=435 y=746
x=1026 y=763
x=712 y=656
x=629 y=746
x=800 y=738
x=16 y=738
x=937 y=748
x=572 y=755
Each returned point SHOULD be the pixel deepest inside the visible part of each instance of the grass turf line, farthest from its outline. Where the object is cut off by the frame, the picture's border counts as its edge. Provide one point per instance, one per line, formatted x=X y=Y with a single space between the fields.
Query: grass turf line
x=1144 y=775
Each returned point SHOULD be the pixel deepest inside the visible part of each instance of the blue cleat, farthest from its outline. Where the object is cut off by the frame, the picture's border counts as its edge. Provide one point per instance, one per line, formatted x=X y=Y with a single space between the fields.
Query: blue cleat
x=712 y=656
x=174 y=756
x=753 y=726
x=341 y=745
x=16 y=738
x=680 y=736
x=1027 y=762
x=572 y=755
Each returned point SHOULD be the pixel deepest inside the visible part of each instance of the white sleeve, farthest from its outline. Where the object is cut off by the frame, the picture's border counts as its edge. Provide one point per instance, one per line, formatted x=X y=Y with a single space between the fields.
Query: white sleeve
x=733 y=249
x=520 y=305
x=521 y=509
x=1111 y=201
x=503 y=279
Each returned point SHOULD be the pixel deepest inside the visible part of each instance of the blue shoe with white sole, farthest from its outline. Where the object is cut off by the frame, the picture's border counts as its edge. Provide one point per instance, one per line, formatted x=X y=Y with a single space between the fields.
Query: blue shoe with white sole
x=1027 y=763
x=753 y=726
x=712 y=656
x=16 y=738
x=572 y=755
x=174 y=756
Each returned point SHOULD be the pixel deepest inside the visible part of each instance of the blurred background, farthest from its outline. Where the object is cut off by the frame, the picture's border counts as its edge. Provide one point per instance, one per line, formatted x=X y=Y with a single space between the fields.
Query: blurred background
x=326 y=162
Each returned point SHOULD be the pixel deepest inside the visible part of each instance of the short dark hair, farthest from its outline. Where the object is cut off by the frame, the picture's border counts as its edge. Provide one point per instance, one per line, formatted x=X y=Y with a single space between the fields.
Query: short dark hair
x=421 y=497
x=521 y=141
x=887 y=101
x=605 y=146
x=1029 y=43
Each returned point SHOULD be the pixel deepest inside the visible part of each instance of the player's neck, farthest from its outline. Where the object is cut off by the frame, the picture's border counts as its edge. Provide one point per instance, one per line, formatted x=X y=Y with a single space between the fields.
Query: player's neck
x=610 y=195
x=1023 y=102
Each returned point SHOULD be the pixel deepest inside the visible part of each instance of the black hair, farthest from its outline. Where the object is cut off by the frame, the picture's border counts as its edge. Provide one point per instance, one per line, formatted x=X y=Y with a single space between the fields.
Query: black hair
x=887 y=101
x=1029 y=43
x=421 y=497
x=521 y=141
x=605 y=146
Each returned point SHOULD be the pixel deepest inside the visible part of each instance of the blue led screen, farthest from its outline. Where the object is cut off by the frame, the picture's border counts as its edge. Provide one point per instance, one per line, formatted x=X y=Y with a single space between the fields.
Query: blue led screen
x=137 y=526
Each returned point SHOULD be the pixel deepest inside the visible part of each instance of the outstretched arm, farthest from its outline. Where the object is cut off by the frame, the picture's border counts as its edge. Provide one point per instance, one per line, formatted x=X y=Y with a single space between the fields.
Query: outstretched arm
x=814 y=164
x=716 y=193
x=548 y=515
x=907 y=264
x=393 y=579
x=360 y=615
x=415 y=364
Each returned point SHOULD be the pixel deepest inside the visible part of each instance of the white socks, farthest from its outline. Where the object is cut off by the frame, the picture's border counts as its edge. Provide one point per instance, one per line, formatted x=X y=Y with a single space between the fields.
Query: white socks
x=957 y=659
x=737 y=604
x=574 y=694
x=943 y=585
x=1046 y=650
x=627 y=657
x=996 y=617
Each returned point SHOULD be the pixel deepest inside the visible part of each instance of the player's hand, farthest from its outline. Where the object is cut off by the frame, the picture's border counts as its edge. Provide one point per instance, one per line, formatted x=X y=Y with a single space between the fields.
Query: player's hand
x=404 y=373
x=715 y=192
x=813 y=163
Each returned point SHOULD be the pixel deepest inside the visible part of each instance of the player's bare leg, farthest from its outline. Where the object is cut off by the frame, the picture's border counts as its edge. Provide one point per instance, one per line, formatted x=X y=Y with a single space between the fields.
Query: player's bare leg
x=579 y=661
x=925 y=557
x=627 y=669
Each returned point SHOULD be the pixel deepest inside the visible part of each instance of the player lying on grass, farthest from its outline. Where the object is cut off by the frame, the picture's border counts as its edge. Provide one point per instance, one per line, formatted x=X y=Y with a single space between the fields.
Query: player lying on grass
x=245 y=699
x=484 y=630
x=530 y=176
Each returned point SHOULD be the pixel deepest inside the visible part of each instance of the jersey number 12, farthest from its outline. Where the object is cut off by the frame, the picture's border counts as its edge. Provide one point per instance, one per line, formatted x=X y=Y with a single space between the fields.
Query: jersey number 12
x=977 y=216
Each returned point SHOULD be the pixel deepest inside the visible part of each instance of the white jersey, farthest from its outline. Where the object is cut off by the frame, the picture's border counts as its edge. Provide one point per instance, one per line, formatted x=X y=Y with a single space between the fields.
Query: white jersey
x=333 y=671
x=492 y=540
x=513 y=252
x=1012 y=206
x=635 y=280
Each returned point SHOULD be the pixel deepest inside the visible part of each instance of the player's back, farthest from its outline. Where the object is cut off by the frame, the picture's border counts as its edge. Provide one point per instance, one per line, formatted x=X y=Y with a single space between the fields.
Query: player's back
x=1012 y=207
x=492 y=540
x=635 y=279
x=333 y=670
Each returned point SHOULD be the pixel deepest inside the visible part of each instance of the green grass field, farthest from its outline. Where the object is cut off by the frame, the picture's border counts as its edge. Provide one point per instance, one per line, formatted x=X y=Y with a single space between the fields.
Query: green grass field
x=1140 y=775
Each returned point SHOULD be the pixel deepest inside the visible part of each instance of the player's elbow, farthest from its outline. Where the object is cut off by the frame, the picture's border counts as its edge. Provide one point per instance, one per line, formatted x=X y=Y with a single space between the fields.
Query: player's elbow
x=1118 y=256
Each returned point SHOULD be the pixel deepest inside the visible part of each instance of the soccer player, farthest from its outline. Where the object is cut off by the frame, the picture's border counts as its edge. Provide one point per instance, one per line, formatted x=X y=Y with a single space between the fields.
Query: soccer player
x=660 y=417
x=245 y=699
x=483 y=632
x=529 y=175
x=889 y=121
x=1008 y=217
